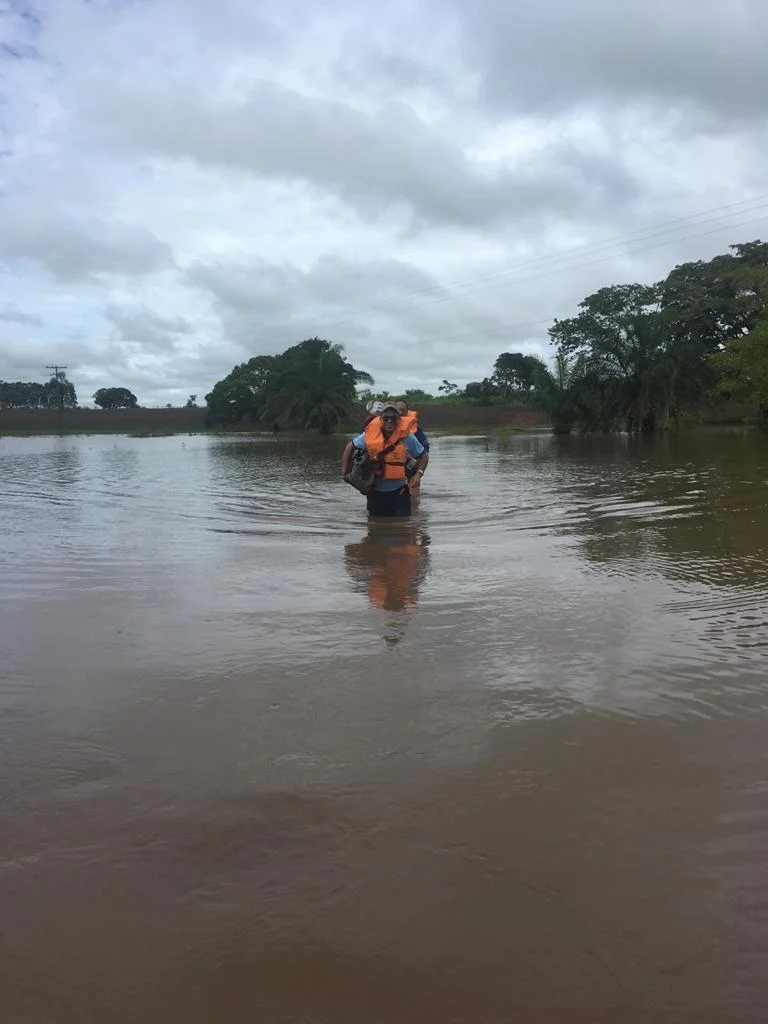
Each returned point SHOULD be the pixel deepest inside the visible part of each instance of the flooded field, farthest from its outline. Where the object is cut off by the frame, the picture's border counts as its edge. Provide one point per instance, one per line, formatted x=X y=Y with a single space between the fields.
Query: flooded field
x=261 y=761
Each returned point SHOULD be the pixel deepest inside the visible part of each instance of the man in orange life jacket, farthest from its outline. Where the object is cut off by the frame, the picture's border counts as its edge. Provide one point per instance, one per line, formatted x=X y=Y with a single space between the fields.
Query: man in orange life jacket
x=390 y=447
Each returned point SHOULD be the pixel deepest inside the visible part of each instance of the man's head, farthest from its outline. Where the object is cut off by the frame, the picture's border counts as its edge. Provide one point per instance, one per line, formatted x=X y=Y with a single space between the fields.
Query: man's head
x=390 y=417
x=402 y=406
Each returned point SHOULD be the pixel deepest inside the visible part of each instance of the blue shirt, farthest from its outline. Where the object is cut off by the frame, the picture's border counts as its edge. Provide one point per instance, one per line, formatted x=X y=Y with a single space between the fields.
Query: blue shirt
x=421 y=437
x=412 y=448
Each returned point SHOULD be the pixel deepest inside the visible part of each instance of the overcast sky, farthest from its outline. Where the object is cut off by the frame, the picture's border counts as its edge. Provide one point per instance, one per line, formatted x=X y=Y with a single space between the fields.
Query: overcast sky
x=187 y=183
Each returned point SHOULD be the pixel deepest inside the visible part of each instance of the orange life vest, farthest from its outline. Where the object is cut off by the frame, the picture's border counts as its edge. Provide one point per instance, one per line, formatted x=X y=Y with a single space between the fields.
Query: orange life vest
x=410 y=421
x=392 y=585
x=390 y=466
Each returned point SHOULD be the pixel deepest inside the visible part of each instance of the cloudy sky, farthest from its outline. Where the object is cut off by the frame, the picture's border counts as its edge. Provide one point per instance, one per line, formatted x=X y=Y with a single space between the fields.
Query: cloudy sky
x=187 y=183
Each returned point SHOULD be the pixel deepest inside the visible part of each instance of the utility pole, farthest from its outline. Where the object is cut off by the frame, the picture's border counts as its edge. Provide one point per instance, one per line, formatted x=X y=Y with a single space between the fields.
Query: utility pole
x=57 y=372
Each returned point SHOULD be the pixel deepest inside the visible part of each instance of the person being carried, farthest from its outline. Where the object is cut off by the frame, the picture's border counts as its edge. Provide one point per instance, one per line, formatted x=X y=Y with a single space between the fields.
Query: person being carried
x=396 y=456
x=372 y=409
x=410 y=417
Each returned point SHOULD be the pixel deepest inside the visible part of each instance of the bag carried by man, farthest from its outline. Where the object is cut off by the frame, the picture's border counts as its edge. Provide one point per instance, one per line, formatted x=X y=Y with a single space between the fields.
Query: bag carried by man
x=360 y=472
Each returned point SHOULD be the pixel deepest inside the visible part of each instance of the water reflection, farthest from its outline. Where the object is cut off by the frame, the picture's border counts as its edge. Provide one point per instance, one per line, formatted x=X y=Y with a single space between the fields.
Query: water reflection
x=390 y=563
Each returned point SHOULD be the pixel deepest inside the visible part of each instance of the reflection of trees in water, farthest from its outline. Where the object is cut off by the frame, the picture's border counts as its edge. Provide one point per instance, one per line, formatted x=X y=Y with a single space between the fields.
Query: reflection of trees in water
x=691 y=507
x=390 y=563
x=250 y=462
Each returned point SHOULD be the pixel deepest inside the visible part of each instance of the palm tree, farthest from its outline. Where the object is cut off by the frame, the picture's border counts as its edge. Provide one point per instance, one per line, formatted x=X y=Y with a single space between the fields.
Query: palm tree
x=555 y=391
x=317 y=386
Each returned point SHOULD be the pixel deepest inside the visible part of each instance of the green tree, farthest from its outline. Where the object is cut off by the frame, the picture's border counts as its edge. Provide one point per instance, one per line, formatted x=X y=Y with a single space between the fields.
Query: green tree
x=315 y=386
x=115 y=398
x=310 y=384
x=556 y=391
x=34 y=395
x=415 y=395
x=448 y=389
x=709 y=303
x=244 y=392
x=481 y=391
x=191 y=402
x=59 y=391
x=514 y=371
x=742 y=369
x=632 y=371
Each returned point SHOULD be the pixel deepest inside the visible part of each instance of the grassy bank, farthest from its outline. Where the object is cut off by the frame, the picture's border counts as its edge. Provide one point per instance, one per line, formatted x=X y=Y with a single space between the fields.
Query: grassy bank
x=145 y=422
x=440 y=418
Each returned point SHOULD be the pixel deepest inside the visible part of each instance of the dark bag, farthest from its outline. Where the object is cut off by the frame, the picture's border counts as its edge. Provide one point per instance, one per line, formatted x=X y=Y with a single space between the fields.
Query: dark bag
x=360 y=473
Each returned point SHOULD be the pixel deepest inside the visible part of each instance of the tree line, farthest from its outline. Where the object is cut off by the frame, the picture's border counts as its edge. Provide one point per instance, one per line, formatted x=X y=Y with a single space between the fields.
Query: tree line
x=639 y=357
x=58 y=392
x=635 y=357
x=49 y=395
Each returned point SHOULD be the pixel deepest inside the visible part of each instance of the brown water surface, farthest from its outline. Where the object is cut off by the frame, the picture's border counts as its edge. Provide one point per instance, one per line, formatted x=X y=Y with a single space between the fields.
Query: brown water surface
x=261 y=762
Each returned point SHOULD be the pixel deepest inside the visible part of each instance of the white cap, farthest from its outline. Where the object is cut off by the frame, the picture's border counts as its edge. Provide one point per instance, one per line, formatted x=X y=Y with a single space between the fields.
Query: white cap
x=377 y=408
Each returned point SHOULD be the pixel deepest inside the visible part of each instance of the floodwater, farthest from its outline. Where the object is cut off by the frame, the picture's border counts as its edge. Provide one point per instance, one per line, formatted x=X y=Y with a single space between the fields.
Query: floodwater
x=261 y=762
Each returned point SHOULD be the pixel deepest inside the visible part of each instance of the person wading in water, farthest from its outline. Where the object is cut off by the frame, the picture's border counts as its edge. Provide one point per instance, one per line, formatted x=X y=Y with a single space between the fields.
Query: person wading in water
x=396 y=457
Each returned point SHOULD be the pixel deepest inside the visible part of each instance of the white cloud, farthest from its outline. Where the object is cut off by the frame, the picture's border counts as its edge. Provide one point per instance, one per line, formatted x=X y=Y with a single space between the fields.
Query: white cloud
x=186 y=184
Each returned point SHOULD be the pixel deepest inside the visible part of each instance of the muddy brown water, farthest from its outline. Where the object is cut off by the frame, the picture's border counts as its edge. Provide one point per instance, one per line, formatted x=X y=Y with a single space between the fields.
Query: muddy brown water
x=261 y=762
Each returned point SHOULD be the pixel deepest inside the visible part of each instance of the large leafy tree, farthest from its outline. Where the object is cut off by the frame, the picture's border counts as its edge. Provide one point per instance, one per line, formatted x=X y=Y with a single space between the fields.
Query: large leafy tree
x=514 y=371
x=742 y=368
x=481 y=391
x=708 y=303
x=311 y=385
x=557 y=390
x=315 y=385
x=634 y=373
x=243 y=393
x=115 y=398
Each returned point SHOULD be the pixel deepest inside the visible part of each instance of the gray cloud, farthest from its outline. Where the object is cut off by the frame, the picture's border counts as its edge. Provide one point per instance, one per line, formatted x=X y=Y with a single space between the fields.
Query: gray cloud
x=376 y=162
x=188 y=184
x=12 y=315
x=402 y=326
x=146 y=329
x=71 y=248
x=703 y=53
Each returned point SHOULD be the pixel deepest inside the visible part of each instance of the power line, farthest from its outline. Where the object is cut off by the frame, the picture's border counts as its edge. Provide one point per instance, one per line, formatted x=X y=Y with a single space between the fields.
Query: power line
x=560 y=270
x=432 y=294
x=58 y=374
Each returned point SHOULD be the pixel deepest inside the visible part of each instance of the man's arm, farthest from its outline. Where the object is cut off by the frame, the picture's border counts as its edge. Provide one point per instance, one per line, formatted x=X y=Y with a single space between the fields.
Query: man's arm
x=417 y=451
x=421 y=437
x=346 y=457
